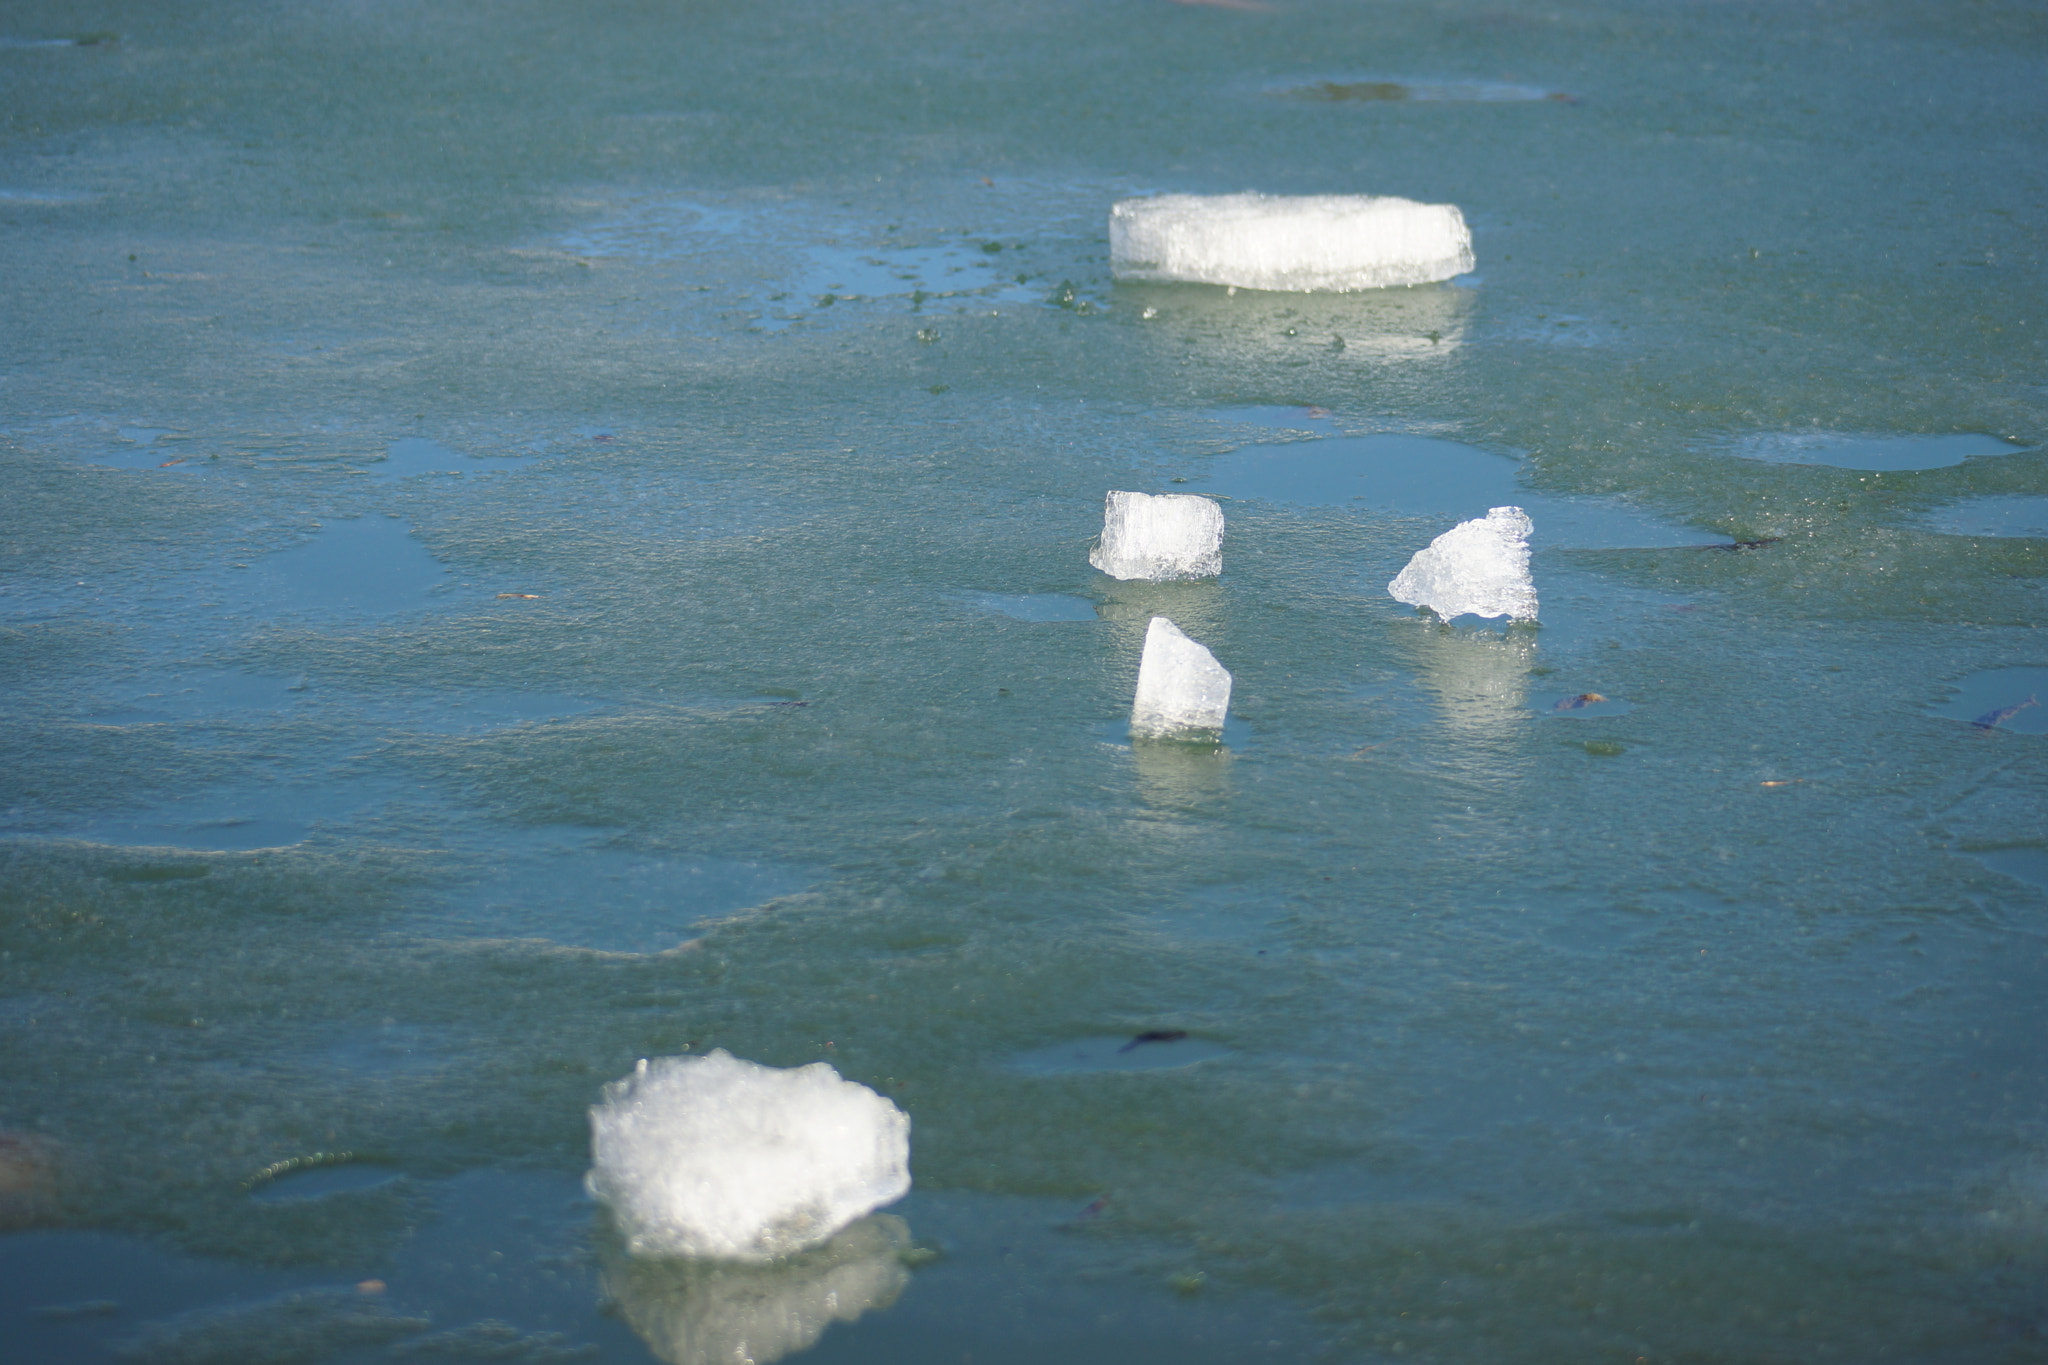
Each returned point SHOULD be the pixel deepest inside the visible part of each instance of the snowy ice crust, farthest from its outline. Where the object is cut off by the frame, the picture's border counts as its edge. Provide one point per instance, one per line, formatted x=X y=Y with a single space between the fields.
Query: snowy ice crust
x=1159 y=537
x=1296 y=244
x=715 y=1157
x=1181 y=687
x=1477 y=568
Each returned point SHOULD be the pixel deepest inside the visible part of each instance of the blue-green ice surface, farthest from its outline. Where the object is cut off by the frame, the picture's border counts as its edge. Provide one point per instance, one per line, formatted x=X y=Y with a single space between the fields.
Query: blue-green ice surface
x=536 y=536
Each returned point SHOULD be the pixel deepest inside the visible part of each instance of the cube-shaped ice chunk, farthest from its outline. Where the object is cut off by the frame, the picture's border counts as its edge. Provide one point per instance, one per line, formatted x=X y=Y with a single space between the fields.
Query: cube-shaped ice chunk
x=1159 y=536
x=715 y=1157
x=1298 y=244
x=1181 y=687
x=1478 y=568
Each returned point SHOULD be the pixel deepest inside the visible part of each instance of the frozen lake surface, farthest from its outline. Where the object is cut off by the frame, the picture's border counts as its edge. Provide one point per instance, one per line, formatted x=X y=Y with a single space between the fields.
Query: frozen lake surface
x=539 y=536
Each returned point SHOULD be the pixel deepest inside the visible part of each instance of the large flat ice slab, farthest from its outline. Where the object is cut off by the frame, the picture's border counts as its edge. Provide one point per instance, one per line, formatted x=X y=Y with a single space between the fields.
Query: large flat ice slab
x=1297 y=244
x=1159 y=537
x=1477 y=568
x=1181 y=687
x=715 y=1157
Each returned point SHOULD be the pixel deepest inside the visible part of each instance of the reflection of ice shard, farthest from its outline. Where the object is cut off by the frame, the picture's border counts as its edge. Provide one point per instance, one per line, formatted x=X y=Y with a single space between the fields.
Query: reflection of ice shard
x=1299 y=244
x=1478 y=679
x=1424 y=324
x=1159 y=537
x=1181 y=687
x=1477 y=568
x=1180 y=776
x=722 y=1313
x=713 y=1156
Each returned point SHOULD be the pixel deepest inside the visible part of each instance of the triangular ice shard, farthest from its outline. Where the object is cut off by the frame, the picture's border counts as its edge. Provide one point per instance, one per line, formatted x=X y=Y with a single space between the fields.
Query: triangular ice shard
x=1181 y=687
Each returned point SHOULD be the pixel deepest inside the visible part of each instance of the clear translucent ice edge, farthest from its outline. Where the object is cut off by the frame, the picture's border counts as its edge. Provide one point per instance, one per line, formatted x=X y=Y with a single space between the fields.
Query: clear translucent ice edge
x=1181 y=687
x=1477 y=568
x=1157 y=537
x=724 y=1159
x=1294 y=244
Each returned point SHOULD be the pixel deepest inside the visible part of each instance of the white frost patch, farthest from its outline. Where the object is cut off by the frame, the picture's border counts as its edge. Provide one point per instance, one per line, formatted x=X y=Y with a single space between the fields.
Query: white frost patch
x=1297 y=244
x=715 y=1157
x=1159 y=537
x=1477 y=568
x=1181 y=687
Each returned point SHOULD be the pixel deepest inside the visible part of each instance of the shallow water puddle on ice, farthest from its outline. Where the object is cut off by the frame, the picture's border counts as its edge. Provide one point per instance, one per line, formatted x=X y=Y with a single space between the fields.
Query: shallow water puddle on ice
x=2023 y=515
x=412 y=456
x=1889 y=454
x=2029 y=865
x=323 y=1181
x=370 y=566
x=1035 y=606
x=2001 y=699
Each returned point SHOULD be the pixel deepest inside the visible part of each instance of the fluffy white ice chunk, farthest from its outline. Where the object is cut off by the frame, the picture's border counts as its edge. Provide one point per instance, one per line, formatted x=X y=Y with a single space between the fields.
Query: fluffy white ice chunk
x=715 y=1157
x=1181 y=687
x=1478 y=568
x=1298 y=244
x=1159 y=536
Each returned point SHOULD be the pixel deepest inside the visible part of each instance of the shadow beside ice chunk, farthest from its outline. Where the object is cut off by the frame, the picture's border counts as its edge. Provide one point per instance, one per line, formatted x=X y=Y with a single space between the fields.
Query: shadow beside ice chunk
x=1297 y=244
x=1079 y=1056
x=698 y=1312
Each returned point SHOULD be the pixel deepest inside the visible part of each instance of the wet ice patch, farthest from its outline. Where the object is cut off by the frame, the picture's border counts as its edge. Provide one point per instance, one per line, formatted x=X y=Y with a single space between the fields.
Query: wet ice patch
x=2001 y=699
x=1036 y=606
x=370 y=566
x=1117 y=1052
x=205 y=692
x=1295 y=244
x=608 y=900
x=722 y=1158
x=2029 y=865
x=1280 y=418
x=412 y=456
x=1889 y=454
x=2023 y=515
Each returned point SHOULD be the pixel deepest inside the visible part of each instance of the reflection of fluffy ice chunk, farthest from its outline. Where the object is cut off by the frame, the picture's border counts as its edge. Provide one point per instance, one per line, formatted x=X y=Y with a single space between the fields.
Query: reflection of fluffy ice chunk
x=719 y=1313
x=1157 y=537
x=1311 y=242
x=713 y=1156
x=1478 y=568
x=1180 y=684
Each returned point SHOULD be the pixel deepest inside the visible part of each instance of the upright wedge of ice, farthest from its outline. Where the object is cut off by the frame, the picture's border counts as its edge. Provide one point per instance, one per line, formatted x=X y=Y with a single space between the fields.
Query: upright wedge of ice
x=1159 y=536
x=1181 y=687
x=1477 y=568
x=1297 y=244
x=715 y=1157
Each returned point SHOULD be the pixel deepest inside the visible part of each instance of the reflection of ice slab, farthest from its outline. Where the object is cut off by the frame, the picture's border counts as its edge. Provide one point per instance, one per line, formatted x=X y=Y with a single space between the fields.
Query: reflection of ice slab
x=2019 y=514
x=1296 y=244
x=1477 y=568
x=1035 y=606
x=369 y=566
x=720 y=1313
x=1115 y=1053
x=1158 y=538
x=1181 y=687
x=1478 y=679
x=2001 y=699
x=1844 y=450
x=717 y=1157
